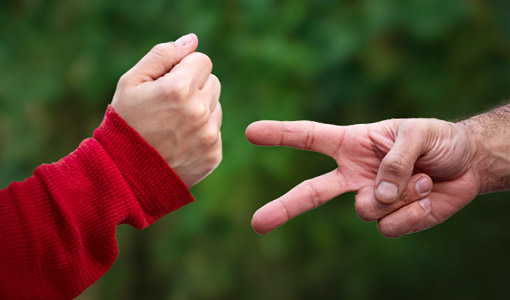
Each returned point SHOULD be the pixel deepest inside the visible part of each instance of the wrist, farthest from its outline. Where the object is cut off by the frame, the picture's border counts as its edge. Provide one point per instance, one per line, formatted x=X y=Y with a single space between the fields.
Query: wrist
x=479 y=154
x=158 y=189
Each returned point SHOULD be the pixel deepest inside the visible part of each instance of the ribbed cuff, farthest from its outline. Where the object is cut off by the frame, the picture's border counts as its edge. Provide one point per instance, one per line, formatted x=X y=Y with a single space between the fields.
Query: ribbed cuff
x=158 y=189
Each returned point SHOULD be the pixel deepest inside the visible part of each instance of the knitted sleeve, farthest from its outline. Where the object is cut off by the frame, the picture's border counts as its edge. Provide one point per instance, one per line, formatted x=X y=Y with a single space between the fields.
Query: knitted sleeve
x=57 y=228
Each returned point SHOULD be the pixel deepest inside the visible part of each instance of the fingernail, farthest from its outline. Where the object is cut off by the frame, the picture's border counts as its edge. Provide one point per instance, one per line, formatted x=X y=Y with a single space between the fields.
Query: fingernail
x=425 y=203
x=184 y=40
x=387 y=189
x=423 y=186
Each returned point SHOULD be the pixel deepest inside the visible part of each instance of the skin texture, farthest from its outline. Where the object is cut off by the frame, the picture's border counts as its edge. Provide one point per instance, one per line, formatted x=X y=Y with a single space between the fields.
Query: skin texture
x=408 y=174
x=171 y=99
x=491 y=137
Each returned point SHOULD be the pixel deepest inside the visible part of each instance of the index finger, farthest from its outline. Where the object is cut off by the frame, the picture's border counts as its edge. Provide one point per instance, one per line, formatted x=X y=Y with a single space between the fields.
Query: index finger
x=304 y=135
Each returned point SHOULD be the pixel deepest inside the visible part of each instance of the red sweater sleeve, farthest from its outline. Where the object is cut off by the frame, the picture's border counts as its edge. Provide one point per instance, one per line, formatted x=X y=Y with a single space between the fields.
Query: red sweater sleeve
x=57 y=228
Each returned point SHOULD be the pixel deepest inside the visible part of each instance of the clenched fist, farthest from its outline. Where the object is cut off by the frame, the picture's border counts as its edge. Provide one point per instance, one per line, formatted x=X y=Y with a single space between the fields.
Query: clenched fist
x=171 y=99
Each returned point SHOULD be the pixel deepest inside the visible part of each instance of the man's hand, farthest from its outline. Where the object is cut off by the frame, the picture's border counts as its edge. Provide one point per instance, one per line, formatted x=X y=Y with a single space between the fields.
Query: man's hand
x=172 y=100
x=390 y=165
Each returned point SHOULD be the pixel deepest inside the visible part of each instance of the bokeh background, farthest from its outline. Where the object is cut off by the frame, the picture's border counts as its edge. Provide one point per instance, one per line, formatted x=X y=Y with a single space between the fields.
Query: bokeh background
x=340 y=62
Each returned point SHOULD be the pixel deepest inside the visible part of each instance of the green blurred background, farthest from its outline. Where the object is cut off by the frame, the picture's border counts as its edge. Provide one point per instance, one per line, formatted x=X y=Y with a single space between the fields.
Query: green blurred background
x=340 y=62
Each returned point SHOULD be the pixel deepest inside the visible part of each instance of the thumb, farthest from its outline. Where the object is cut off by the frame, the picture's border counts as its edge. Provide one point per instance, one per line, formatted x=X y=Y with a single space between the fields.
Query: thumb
x=397 y=166
x=161 y=59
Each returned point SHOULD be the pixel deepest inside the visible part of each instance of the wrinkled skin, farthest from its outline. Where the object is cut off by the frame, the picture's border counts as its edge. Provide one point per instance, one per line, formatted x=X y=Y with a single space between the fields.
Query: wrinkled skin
x=439 y=154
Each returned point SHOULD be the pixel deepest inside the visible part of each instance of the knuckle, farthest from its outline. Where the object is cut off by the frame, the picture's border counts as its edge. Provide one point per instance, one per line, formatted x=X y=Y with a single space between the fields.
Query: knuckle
x=310 y=136
x=365 y=211
x=162 y=50
x=213 y=160
x=409 y=124
x=202 y=59
x=405 y=222
x=313 y=193
x=388 y=229
x=210 y=137
x=123 y=80
x=412 y=128
x=406 y=198
x=394 y=164
x=162 y=90
x=198 y=115
x=216 y=158
x=215 y=81
x=414 y=216
x=178 y=90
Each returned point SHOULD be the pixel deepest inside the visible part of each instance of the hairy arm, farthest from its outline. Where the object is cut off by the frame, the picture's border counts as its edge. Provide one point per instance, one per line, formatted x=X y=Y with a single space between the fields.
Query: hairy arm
x=490 y=135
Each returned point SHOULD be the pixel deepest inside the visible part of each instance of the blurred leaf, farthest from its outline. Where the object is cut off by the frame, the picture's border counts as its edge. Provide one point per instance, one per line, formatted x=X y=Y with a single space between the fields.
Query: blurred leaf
x=340 y=62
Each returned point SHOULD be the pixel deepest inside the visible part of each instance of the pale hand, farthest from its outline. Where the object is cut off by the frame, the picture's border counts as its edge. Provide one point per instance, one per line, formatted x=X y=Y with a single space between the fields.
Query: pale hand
x=172 y=100
x=405 y=155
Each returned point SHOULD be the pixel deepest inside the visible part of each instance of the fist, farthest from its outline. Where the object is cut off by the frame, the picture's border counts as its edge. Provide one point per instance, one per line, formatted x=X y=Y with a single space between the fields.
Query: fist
x=171 y=99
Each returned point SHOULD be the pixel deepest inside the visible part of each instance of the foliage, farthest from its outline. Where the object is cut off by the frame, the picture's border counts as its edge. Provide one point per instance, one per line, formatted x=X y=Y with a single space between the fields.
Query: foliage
x=340 y=62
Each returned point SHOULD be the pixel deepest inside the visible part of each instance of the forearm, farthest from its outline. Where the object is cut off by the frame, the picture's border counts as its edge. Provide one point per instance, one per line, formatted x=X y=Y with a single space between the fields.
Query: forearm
x=58 y=227
x=490 y=136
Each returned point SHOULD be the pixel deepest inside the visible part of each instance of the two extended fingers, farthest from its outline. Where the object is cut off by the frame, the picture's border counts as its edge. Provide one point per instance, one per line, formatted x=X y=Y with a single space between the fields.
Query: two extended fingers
x=398 y=214
x=310 y=193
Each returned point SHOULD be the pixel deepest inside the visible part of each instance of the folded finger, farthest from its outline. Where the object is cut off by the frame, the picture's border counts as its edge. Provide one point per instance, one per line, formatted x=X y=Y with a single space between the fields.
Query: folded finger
x=193 y=70
x=405 y=220
x=211 y=91
x=397 y=166
x=370 y=209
